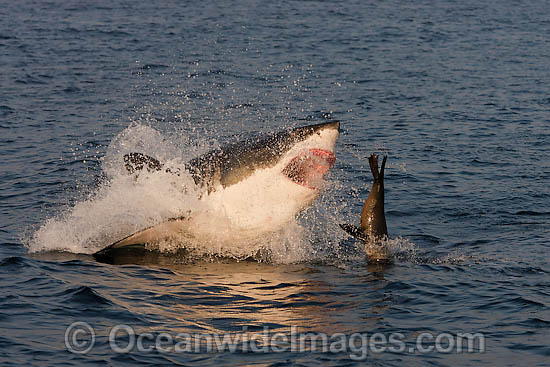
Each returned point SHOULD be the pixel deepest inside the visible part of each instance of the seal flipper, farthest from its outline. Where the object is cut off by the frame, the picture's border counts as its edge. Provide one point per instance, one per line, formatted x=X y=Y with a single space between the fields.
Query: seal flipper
x=354 y=231
x=377 y=174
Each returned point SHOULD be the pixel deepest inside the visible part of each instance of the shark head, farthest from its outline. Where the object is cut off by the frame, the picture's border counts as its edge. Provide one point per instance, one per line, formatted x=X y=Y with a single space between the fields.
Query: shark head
x=264 y=182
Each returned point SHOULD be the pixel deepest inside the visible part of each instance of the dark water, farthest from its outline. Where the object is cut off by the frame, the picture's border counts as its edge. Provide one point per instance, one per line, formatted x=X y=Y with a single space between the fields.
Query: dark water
x=455 y=92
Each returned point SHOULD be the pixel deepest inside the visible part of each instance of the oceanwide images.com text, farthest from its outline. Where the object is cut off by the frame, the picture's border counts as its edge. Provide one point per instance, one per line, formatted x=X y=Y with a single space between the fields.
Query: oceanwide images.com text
x=80 y=338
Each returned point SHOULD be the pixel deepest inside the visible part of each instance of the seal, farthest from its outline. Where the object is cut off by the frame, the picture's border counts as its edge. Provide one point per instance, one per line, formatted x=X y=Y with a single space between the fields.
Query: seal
x=373 y=229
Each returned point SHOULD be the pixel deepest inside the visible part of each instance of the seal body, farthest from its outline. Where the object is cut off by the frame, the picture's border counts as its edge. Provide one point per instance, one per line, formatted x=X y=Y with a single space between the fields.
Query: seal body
x=373 y=219
x=373 y=230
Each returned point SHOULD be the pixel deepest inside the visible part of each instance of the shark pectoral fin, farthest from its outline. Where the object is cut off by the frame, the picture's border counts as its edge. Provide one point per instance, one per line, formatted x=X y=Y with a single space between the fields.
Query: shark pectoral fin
x=138 y=240
x=137 y=161
x=354 y=231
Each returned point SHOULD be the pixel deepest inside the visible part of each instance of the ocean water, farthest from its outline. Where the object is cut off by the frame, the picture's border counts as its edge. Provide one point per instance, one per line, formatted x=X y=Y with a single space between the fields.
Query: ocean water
x=456 y=93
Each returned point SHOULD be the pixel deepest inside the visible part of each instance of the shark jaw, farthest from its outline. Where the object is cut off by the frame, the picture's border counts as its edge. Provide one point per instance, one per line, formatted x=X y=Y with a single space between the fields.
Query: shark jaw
x=308 y=169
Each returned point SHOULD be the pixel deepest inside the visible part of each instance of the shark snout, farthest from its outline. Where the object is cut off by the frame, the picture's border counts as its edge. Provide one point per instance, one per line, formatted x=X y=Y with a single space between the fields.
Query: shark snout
x=329 y=134
x=334 y=125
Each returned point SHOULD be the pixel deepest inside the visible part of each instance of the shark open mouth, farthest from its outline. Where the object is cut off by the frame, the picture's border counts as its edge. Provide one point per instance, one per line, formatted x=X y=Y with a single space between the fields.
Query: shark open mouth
x=309 y=168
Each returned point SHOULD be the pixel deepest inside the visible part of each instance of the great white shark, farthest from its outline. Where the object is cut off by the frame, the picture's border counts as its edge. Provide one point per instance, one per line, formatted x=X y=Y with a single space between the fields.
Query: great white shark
x=252 y=187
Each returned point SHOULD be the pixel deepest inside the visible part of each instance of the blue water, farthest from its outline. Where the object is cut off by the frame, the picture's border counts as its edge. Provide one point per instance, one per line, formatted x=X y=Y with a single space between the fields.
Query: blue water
x=456 y=93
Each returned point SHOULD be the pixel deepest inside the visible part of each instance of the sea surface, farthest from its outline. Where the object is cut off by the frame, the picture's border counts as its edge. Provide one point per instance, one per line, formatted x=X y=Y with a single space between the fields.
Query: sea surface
x=455 y=93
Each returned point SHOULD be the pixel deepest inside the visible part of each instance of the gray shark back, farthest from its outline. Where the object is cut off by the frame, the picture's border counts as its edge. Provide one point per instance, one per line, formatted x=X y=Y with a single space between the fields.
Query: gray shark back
x=235 y=162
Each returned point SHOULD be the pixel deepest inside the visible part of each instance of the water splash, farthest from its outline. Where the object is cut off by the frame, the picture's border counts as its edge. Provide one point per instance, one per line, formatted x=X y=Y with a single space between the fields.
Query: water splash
x=402 y=248
x=121 y=204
